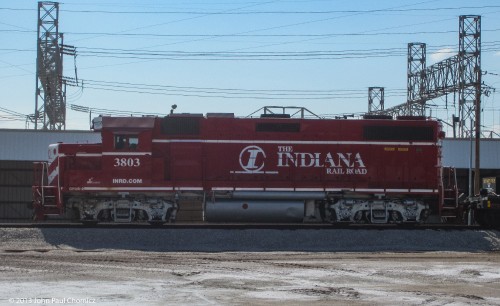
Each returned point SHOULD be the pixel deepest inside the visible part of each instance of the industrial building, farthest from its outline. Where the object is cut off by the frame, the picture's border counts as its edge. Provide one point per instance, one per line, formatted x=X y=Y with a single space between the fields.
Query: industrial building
x=19 y=149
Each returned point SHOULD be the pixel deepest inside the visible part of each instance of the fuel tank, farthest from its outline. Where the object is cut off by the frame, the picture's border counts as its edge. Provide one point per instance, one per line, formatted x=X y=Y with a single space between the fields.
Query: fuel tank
x=242 y=210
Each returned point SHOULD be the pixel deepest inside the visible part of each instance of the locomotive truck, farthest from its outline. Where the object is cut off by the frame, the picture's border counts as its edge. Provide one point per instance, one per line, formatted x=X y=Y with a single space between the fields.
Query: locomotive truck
x=273 y=168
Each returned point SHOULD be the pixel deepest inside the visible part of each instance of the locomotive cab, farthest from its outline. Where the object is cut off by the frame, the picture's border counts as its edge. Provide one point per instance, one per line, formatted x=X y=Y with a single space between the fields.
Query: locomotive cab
x=103 y=182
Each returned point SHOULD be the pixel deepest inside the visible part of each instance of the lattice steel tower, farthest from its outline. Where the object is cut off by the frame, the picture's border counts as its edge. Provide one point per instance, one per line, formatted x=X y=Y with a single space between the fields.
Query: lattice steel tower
x=50 y=96
x=416 y=79
x=460 y=73
x=375 y=99
x=469 y=54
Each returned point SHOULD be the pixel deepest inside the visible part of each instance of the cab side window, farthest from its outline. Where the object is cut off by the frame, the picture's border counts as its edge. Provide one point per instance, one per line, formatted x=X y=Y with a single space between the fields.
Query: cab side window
x=126 y=142
x=133 y=142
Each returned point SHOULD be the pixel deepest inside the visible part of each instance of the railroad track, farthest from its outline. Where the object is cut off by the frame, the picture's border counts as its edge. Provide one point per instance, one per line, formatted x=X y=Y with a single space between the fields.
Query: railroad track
x=243 y=226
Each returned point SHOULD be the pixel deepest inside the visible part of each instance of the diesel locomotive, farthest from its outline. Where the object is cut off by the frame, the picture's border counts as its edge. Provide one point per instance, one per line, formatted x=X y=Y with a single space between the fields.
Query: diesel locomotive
x=273 y=168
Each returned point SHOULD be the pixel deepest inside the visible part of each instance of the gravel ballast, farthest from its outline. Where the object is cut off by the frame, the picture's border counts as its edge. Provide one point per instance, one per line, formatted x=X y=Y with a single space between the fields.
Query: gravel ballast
x=251 y=240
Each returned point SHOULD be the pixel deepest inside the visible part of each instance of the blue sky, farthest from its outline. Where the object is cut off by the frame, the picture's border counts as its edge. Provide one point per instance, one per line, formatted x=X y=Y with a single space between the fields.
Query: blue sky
x=240 y=55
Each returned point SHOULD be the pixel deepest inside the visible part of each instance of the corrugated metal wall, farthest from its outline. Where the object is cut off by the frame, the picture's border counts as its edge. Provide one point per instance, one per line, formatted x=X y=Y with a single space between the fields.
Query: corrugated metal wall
x=16 y=178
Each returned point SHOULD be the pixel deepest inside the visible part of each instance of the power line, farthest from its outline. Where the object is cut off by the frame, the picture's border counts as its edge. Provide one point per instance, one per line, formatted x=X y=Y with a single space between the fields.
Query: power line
x=232 y=93
x=258 y=55
x=219 y=96
x=12 y=115
x=103 y=111
x=221 y=89
x=325 y=35
x=280 y=12
x=239 y=35
x=492 y=46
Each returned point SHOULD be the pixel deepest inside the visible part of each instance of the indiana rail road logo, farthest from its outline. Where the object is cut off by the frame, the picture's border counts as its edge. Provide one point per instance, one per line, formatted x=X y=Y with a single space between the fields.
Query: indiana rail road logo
x=252 y=160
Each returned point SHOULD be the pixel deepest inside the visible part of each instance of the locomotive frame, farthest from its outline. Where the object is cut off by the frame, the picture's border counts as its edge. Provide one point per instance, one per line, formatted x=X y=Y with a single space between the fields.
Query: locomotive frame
x=268 y=169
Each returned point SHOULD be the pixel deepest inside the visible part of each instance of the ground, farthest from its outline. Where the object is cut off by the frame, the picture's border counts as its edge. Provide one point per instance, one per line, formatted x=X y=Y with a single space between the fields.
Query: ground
x=36 y=269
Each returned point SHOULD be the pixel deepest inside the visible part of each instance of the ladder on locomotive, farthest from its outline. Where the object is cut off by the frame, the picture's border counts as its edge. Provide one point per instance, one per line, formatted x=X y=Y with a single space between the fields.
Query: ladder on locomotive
x=46 y=199
x=450 y=210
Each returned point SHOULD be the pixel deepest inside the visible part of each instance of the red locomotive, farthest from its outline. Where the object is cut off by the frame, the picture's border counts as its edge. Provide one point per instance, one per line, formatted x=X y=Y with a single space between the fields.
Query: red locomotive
x=267 y=169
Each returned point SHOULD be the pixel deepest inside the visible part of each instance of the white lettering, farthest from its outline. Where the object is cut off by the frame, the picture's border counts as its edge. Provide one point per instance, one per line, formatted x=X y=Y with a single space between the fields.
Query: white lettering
x=127 y=181
x=335 y=171
x=335 y=163
x=329 y=160
x=360 y=171
x=306 y=159
x=317 y=160
x=346 y=160
x=284 y=158
x=127 y=162
x=359 y=161
x=285 y=149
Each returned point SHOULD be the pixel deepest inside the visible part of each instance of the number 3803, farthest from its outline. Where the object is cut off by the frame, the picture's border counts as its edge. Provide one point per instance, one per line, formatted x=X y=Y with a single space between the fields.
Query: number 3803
x=127 y=162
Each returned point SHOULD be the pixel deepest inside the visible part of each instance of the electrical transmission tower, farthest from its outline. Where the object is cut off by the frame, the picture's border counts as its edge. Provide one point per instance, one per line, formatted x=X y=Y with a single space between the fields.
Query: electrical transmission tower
x=50 y=95
x=416 y=79
x=469 y=85
x=460 y=73
x=375 y=99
